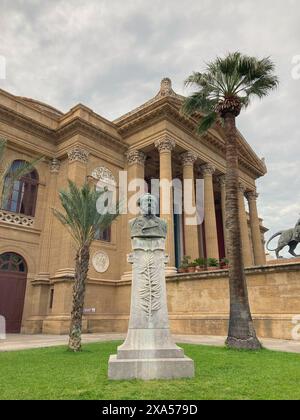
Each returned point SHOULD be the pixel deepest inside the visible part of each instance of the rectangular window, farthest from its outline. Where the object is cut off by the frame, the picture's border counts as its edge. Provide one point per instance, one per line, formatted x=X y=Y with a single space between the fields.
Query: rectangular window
x=51 y=298
x=103 y=235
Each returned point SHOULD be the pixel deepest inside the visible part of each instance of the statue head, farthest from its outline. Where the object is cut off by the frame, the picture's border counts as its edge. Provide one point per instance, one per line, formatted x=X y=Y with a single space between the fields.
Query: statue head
x=148 y=205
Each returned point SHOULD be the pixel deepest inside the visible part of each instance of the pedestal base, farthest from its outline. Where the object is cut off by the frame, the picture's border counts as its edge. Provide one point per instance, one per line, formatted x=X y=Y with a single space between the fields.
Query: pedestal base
x=147 y=369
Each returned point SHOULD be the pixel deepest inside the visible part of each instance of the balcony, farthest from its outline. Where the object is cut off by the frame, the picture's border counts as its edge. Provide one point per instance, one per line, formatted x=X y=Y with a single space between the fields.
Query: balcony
x=16 y=219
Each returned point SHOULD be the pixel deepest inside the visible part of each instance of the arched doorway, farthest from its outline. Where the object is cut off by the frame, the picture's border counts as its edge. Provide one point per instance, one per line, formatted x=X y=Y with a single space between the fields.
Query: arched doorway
x=13 y=276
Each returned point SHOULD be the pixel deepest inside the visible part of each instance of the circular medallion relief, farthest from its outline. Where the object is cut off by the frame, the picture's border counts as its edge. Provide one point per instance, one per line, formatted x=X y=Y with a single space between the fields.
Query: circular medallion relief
x=100 y=261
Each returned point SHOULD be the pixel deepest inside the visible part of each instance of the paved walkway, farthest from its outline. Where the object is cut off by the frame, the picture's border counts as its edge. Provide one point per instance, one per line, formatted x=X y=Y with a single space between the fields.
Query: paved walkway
x=23 y=342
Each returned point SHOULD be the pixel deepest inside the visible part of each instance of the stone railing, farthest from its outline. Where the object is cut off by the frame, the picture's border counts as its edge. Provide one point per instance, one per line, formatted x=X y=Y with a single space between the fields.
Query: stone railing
x=16 y=219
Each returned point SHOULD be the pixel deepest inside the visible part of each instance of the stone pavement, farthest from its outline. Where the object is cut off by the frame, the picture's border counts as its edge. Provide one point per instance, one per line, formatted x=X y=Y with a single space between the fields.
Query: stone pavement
x=15 y=342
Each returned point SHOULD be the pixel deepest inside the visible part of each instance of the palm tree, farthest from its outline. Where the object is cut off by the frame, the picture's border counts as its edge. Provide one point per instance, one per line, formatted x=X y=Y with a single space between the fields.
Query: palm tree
x=82 y=219
x=223 y=90
x=7 y=176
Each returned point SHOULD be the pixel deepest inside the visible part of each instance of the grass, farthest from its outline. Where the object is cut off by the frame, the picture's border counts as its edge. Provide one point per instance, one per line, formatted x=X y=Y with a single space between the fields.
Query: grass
x=54 y=373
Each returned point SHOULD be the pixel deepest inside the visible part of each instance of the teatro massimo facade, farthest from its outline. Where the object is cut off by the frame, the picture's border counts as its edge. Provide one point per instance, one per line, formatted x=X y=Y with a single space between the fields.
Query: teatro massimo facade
x=154 y=141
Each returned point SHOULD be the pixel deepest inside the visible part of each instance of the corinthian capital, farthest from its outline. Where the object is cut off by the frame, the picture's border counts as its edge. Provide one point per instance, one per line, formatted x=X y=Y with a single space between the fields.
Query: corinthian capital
x=252 y=195
x=136 y=157
x=188 y=158
x=78 y=154
x=222 y=181
x=207 y=169
x=165 y=145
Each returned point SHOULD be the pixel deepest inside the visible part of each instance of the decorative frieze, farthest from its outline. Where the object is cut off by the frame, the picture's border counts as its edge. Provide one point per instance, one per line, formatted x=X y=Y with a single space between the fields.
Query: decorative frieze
x=78 y=154
x=208 y=169
x=136 y=157
x=189 y=158
x=165 y=145
x=16 y=219
x=54 y=166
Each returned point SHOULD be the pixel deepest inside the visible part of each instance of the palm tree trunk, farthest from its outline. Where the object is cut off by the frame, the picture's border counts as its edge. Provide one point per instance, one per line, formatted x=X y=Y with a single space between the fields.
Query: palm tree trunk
x=241 y=333
x=81 y=271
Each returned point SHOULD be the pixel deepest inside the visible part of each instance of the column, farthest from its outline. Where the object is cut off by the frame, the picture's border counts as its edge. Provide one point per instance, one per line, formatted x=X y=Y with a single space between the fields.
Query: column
x=58 y=322
x=211 y=235
x=45 y=245
x=135 y=172
x=222 y=184
x=247 y=255
x=258 y=247
x=165 y=147
x=191 y=237
x=77 y=172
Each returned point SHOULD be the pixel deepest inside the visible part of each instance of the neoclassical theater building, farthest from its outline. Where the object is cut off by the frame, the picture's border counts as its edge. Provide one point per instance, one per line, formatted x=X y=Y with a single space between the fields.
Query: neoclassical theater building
x=153 y=141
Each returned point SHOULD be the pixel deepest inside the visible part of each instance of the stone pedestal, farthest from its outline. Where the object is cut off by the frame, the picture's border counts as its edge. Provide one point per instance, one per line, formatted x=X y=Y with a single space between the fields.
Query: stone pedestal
x=149 y=351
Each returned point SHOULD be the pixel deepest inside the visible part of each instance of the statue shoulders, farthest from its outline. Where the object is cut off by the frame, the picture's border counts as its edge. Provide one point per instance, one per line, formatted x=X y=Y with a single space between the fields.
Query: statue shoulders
x=132 y=222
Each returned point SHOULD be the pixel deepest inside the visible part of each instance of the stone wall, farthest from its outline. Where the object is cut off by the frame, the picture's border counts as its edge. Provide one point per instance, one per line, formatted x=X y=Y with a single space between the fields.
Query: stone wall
x=199 y=303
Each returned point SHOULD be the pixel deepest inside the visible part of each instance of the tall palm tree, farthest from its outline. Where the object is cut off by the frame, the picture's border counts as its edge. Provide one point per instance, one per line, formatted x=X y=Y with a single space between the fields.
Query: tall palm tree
x=223 y=90
x=12 y=176
x=82 y=219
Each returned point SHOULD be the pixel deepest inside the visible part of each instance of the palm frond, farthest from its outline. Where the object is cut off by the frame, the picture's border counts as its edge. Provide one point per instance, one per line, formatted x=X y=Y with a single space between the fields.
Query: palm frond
x=236 y=76
x=207 y=122
x=81 y=215
x=198 y=102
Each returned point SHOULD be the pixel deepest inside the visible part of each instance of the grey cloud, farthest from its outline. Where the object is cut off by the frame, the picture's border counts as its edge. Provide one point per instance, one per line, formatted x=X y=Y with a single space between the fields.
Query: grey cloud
x=111 y=56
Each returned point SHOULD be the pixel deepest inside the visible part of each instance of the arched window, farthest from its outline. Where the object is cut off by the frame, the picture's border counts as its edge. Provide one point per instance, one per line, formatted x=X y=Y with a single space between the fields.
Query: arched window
x=12 y=262
x=20 y=197
x=105 y=181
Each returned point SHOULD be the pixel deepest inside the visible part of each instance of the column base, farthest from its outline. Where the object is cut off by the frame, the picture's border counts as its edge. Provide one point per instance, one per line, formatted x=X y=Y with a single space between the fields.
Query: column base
x=127 y=276
x=170 y=271
x=148 y=369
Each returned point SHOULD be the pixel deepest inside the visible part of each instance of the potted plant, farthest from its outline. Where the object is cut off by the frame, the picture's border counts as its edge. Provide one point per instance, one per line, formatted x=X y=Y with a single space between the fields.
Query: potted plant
x=200 y=264
x=184 y=264
x=213 y=264
x=224 y=263
x=192 y=267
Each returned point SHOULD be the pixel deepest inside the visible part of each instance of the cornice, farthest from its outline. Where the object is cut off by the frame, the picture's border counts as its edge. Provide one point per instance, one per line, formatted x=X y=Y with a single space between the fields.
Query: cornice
x=80 y=126
x=169 y=108
x=26 y=123
x=56 y=136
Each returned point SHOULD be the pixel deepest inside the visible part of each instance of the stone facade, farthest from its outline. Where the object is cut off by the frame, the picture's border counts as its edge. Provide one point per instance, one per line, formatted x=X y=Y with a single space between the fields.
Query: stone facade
x=152 y=141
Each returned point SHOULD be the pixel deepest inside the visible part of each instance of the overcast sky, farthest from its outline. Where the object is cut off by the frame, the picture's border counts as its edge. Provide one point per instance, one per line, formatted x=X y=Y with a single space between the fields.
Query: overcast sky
x=111 y=55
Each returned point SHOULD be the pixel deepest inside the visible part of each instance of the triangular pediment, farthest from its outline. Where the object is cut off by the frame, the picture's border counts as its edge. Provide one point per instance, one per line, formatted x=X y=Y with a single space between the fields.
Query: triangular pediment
x=167 y=104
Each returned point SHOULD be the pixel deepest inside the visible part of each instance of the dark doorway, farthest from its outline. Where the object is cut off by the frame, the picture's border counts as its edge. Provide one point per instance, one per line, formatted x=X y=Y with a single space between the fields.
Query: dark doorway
x=13 y=276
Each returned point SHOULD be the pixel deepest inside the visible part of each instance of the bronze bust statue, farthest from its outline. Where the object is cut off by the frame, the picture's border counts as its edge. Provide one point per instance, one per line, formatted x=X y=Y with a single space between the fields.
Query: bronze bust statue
x=148 y=225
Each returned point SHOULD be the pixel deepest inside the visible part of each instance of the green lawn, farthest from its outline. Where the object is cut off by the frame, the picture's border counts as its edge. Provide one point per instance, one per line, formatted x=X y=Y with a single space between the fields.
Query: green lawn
x=54 y=373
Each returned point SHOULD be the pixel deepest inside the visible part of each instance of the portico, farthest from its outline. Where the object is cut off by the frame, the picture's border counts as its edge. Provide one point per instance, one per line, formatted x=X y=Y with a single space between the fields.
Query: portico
x=167 y=161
